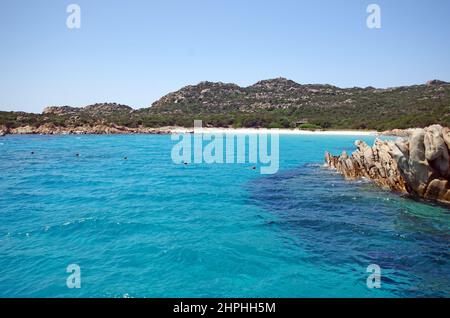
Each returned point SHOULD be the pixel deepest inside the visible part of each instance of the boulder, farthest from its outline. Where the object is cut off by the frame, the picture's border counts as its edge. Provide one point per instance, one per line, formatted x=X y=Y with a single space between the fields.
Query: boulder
x=446 y=136
x=416 y=170
x=436 y=151
x=438 y=190
x=3 y=130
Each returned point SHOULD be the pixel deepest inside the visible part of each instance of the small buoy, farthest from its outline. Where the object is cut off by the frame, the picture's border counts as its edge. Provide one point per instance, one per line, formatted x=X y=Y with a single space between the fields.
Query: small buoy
x=77 y=154
x=32 y=152
x=125 y=158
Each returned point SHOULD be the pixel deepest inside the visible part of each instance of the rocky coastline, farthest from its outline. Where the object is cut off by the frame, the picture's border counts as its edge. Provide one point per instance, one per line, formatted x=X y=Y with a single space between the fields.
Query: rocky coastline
x=100 y=129
x=416 y=164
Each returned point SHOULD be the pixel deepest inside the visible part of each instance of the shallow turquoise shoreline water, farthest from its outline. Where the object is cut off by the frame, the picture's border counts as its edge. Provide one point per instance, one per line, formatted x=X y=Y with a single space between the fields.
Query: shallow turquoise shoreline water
x=145 y=227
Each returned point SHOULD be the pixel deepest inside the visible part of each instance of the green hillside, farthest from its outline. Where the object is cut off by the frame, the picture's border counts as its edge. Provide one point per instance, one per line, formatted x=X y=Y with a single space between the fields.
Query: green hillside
x=276 y=103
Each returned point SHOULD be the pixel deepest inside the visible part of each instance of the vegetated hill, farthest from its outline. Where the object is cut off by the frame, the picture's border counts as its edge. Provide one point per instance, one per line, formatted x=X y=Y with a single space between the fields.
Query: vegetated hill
x=285 y=103
x=67 y=116
x=280 y=103
x=96 y=110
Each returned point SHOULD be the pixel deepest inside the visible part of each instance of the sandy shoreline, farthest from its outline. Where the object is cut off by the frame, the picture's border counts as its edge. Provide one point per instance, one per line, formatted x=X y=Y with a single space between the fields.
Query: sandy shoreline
x=275 y=131
x=118 y=130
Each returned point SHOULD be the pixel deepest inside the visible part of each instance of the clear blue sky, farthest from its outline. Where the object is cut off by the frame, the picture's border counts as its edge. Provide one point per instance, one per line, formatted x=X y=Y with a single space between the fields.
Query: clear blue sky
x=133 y=52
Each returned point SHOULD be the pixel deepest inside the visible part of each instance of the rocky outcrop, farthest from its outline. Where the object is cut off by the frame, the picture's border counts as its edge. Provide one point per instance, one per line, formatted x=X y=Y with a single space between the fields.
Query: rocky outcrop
x=99 y=109
x=397 y=132
x=3 y=130
x=99 y=129
x=23 y=130
x=418 y=165
x=61 y=110
x=375 y=163
x=436 y=83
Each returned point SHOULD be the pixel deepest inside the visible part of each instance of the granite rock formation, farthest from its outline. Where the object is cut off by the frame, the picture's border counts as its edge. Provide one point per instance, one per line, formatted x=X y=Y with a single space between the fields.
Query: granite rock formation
x=418 y=164
x=96 y=129
x=3 y=130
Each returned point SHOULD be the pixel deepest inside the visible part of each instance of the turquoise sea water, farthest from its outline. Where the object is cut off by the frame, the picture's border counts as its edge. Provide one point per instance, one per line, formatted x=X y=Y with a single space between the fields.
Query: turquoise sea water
x=145 y=227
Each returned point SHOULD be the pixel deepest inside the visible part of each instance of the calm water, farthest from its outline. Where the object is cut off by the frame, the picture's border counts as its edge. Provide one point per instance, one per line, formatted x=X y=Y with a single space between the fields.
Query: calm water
x=145 y=227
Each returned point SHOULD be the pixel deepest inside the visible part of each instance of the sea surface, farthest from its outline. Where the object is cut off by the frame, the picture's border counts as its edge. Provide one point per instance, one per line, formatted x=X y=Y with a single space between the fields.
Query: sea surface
x=146 y=227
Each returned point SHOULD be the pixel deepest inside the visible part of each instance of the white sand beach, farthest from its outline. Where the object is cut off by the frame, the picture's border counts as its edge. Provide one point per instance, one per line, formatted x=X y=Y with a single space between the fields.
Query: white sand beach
x=274 y=131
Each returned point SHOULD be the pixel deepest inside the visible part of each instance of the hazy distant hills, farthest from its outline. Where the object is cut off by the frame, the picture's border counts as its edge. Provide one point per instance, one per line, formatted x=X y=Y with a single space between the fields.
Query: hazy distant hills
x=274 y=103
